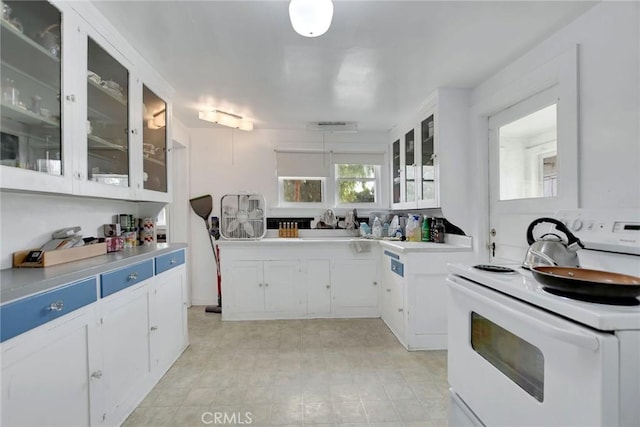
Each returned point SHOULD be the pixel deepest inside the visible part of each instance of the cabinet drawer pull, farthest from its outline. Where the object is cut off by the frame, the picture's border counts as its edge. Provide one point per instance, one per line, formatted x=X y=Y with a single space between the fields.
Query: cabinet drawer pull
x=400 y=310
x=132 y=276
x=266 y=285
x=96 y=375
x=154 y=328
x=173 y=261
x=260 y=284
x=328 y=286
x=71 y=98
x=375 y=283
x=388 y=290
x=56 y=306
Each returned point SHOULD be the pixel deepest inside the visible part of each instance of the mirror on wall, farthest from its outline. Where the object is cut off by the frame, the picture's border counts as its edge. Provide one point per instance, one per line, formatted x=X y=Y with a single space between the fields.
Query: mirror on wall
x=528 y=156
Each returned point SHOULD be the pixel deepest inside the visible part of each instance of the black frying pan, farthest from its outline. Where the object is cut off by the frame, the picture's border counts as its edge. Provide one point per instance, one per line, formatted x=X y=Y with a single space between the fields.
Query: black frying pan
x=593 y=283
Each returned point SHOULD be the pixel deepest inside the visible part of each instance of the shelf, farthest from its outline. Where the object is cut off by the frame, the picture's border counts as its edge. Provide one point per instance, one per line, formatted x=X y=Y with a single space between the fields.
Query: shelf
x=105 y=104
x=97 y=143
x=23 y=53
x=154 y=161
x=27 y=117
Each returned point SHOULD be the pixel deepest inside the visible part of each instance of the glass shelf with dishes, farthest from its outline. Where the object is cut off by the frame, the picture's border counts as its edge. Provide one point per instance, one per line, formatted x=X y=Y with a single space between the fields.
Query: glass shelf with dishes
x=30 y=107
x=154 y=138
x=107 y=118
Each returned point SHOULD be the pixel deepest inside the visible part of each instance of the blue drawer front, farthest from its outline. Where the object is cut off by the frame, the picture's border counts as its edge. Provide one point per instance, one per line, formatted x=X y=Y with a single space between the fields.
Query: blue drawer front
x=397 y=267
x=28 y=313
x=168 y=261
x=392 y=255
x=118 y=280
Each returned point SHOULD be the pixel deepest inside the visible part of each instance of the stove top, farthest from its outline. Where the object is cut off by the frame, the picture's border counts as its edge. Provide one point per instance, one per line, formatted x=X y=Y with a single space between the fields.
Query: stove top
x=598 y=315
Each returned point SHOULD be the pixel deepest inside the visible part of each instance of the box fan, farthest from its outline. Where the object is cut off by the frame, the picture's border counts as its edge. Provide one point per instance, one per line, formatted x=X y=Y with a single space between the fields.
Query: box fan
x=243 y=216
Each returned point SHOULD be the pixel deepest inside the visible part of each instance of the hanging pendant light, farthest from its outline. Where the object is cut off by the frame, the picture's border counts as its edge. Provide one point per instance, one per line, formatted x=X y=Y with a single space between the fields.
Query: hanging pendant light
x=311 y=18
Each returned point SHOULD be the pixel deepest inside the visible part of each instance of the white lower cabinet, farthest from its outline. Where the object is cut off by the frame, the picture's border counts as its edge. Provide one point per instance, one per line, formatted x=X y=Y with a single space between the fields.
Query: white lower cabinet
x=125 y=349
x=414 y=295
x=317 y=275
x=392 y=286
x=93 y=365
x=168 y=319
x=261 y=287
x=318 y=280
x=51 y=376
x=355 y=287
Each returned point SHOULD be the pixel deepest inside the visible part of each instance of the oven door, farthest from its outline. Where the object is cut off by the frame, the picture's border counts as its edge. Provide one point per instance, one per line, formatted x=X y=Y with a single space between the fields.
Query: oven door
x=515 y=364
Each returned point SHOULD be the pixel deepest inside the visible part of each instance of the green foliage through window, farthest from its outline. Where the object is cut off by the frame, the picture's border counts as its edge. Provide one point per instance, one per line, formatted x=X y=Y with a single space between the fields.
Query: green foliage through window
x=356 y=183
x=302 y=190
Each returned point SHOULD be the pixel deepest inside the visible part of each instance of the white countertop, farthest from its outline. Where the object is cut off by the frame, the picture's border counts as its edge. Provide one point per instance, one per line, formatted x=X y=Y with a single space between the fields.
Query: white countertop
x=453 y=243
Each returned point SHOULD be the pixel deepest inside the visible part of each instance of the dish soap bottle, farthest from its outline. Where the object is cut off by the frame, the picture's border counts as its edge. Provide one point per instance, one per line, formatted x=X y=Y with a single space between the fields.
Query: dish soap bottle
x=376 y=230
x=426 y=229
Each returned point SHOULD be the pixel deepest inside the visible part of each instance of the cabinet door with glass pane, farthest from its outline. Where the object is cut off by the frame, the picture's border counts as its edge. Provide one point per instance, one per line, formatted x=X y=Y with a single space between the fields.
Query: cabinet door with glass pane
x=427 y=187
x=33 y=153
x=154 y=141
x=107 y=118
x=410 y=166
x=395 y=171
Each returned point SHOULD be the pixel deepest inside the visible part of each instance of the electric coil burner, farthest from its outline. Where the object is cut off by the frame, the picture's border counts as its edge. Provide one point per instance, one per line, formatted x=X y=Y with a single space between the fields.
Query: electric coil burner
x=495 y=268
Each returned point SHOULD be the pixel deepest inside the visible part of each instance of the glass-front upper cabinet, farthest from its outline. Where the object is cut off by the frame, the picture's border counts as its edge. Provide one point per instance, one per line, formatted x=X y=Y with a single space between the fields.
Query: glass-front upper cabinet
x=31 y=80
x=154 y=141
x=410 y=163
x=395 y=170
x=107 y=118
x=427 y=164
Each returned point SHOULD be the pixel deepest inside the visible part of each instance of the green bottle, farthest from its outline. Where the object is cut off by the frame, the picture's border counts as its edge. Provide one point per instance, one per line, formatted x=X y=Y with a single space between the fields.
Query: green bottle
x=426 y=230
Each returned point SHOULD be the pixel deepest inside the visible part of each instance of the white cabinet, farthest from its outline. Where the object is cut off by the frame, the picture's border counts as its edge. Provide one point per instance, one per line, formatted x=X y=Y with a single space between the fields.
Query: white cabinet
x=392 y=285
x=355 y=287
x=309 y=280
x=318 y=283
x=427 y=148
x=414 y=295
x=168 y=319
x=71 y=358
x=125 y=349
x=51 y=375
x=81 y=111
x=265 y=287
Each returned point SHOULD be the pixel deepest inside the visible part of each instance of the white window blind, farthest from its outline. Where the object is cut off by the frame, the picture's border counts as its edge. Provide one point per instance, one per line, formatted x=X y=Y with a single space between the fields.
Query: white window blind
x=357 y=158
x=302 y=164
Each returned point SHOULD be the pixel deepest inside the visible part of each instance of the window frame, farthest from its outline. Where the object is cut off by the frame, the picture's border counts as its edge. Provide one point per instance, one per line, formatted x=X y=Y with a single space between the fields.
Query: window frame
x=285 y=204
x=377 y=180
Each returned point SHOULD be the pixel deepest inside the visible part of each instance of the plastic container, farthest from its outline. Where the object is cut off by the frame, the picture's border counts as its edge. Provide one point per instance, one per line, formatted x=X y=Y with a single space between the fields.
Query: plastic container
x=376 y=230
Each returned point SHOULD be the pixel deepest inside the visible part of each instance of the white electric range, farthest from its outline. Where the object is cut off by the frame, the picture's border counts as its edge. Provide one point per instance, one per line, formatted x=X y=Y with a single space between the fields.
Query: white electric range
x=519 y=355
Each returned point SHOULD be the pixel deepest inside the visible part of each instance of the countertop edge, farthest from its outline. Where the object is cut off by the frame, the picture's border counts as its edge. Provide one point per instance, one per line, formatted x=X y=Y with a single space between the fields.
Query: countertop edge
x=19 y=283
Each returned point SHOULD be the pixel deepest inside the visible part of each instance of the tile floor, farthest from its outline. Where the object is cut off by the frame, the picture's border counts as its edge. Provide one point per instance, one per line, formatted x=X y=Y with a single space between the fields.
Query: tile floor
x=328 y=372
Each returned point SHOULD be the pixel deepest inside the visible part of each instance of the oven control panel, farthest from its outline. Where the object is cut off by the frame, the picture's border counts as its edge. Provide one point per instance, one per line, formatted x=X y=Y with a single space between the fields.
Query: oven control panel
x=608 y=230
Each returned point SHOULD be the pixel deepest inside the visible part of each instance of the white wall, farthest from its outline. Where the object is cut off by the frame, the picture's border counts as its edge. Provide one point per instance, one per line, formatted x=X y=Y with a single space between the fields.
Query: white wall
x=225 y=161
x=29 y=219
x=608 y=36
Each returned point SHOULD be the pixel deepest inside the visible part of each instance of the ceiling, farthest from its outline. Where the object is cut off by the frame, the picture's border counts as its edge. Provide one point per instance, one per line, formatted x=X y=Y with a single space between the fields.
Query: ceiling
x=376 y=65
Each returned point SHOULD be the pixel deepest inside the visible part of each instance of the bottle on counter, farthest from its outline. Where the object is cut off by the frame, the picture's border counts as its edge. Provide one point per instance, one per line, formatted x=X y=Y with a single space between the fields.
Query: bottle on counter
x=439 y=231
x=426 y=229
x=376 y=230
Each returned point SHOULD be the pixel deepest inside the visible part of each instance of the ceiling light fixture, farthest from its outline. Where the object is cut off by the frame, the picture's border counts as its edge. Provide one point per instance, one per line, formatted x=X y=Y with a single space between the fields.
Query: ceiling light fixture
x=226 y=119
x=311 y=18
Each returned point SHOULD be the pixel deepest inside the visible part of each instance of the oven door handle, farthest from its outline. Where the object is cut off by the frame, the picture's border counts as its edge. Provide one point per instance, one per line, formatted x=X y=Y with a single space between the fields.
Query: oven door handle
x=589 y=342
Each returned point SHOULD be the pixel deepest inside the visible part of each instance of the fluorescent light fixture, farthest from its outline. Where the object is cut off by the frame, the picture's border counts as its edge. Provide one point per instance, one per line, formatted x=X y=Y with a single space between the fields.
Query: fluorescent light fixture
x=226 y=119
x=311 y=18
x=159 y=120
